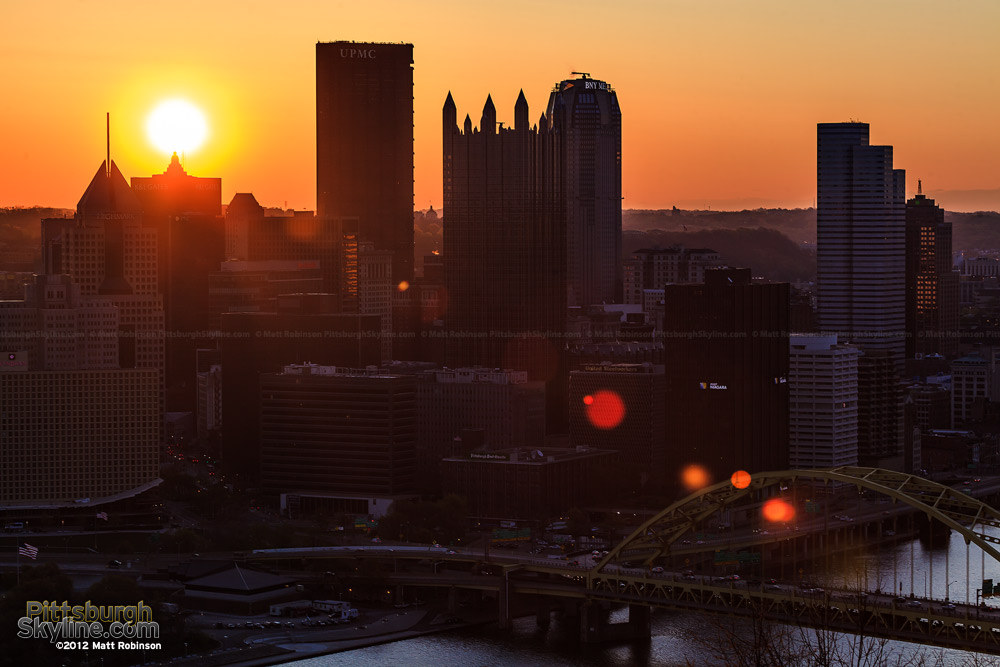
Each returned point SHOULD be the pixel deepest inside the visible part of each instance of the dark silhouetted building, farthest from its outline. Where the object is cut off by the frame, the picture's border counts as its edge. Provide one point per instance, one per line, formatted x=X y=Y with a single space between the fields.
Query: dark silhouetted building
x=186 y=212
x=304 y=328
x=652 y=268
x=932 y=287
x=860 y=240
x=253 y=287
x=932 y=406
x=639 y=435
x=584 y=112
x=505 y=241
x=529 y=483
x=507 y=410
x=880 y=411
x=726 y=355
x=253 y=234
x=505 y=248
x=364 y=143
x=337 y=433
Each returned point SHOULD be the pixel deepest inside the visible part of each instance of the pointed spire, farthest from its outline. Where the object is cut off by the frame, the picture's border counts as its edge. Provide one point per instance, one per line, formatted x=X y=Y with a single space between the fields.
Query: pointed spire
x=542 y=125
x=521 y=112
x=489 y=120
x=468 y=124
x=449 y=114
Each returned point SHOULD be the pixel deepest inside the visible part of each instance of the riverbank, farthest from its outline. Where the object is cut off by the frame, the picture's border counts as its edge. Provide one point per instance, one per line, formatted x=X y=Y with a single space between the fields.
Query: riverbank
x=373 y=628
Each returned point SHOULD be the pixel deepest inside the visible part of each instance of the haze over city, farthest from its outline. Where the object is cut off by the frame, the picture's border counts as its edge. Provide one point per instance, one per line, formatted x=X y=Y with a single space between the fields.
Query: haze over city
x=722 y=98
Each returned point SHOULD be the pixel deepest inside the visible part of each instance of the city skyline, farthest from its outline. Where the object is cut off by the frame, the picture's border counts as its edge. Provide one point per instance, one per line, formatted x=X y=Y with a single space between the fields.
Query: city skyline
x=721 y=111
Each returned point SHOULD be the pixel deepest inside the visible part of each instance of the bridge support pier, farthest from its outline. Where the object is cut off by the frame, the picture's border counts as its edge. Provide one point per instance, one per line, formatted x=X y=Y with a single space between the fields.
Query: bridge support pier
x=595 y=629
x=543 y=617
x=503 y=608
x=452 y=600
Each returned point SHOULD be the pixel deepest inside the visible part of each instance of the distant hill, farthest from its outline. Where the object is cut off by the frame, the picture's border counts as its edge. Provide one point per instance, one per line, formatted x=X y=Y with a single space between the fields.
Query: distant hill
x=768 y=252
x=798 y=224
x=20 y=236
x=974 y=231
x=21 y=225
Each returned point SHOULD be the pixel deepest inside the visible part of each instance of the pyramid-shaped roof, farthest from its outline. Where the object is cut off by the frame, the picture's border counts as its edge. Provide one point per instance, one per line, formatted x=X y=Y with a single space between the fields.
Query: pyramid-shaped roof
x=108 y=193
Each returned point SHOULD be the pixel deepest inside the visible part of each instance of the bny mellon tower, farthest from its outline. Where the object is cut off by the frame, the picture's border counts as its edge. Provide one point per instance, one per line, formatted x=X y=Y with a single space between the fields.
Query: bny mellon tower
x=584 y=113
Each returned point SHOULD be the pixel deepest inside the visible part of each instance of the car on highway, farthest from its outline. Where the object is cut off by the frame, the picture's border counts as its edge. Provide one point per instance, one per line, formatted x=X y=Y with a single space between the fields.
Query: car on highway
x=657 y=570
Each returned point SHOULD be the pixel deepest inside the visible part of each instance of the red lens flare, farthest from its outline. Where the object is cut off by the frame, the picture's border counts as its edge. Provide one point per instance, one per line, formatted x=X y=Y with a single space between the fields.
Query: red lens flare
x=605 y=409
x=740 y=479
x=778 y=511
x=695 y=477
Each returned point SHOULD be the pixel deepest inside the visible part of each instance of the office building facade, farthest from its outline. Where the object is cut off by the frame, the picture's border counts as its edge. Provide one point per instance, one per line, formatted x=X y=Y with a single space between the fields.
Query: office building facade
x=932 y=286
x=504 y=242
x=364 y=143
x=337 y=432
x=726 y=351
x=860 y=240
x=639 y=435
x=822 y=403
x=652 y=268
x=586 y=115
x=501 y=407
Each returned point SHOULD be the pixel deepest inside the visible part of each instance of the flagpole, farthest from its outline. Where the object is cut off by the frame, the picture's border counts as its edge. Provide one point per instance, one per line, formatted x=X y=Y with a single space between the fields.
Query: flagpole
x=17 y=545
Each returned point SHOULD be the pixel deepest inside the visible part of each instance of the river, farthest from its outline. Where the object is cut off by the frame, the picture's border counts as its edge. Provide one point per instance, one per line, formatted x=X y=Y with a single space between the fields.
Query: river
x=680 y=638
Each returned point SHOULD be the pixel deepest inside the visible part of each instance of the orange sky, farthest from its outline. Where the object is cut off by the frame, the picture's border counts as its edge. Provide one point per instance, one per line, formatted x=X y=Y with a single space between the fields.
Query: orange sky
x=719 y=98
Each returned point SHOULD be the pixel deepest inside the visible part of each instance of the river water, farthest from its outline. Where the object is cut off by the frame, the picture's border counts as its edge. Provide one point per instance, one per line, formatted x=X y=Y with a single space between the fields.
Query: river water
x=680 y=638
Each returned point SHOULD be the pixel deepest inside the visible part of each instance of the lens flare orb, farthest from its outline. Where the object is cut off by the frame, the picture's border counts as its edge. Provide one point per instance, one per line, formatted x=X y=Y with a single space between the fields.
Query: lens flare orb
x=740 y=479
x=606 y=410
x=695 y=477
x=777 y=510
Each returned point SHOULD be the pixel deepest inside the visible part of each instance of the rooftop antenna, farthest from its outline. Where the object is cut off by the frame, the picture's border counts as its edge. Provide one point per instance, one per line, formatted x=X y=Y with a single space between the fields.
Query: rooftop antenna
x=583 y=74
x=920 y=187
x=107 y=119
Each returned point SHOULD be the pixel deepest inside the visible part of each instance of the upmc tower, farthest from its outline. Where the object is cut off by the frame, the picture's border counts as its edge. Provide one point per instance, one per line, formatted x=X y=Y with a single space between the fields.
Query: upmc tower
x=364 y=143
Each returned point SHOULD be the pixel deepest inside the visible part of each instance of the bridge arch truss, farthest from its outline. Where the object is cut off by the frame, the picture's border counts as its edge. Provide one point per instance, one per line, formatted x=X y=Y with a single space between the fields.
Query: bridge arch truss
x=655 y=539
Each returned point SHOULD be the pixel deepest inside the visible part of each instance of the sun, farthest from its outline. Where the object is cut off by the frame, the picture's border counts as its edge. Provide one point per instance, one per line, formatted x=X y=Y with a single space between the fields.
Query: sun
x=176 y=126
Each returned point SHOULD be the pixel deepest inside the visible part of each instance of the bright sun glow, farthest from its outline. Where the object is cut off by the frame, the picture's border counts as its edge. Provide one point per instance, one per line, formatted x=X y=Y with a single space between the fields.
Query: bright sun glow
x=176 y=126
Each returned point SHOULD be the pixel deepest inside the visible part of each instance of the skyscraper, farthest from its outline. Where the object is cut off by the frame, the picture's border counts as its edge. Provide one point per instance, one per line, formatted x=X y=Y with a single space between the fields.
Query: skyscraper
x=823 y=402
x=932 y=289
x=364 y=143
x=726 y=351
x=860 y=240
x=585 y=113
x=505 y=241
x=186 y=212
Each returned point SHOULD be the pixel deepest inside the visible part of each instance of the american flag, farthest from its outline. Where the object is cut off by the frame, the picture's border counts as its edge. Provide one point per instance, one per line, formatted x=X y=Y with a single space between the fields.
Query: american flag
x=102 y=515
x=28 y=550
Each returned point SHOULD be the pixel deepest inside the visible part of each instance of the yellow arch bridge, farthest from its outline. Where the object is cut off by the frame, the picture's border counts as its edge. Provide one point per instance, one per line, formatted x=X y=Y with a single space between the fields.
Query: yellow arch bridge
x=644 y=570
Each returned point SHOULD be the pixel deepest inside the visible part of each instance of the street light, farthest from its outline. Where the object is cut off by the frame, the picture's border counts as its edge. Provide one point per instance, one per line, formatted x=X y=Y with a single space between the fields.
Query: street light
x=947 y=590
